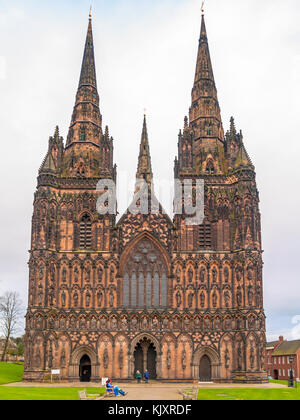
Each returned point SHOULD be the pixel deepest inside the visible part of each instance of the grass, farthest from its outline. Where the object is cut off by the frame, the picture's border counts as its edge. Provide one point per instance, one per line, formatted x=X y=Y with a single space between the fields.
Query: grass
x=44 y=394
x=249 y=394
x=11 y=372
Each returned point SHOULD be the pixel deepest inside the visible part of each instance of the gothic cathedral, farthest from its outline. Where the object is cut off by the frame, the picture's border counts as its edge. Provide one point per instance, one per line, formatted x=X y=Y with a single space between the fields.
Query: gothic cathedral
x=109 y=297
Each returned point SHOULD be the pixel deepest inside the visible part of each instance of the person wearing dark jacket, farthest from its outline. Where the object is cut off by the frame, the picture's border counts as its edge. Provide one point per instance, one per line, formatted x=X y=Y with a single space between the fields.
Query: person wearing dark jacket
x=146 y=376
x=138 y=376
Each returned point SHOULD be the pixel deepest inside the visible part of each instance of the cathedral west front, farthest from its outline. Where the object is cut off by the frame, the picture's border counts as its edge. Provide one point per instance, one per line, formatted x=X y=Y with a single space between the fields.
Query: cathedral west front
x=109 y=297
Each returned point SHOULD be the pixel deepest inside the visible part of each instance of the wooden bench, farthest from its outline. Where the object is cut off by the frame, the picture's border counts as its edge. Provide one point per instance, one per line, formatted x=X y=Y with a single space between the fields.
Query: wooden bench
x=189 y=396
x=84 y=396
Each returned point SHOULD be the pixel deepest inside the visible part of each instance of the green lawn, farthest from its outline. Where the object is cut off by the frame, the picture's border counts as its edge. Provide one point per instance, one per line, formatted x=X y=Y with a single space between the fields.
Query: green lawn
x=249 y=394
x=44 y=394
x=11 y=372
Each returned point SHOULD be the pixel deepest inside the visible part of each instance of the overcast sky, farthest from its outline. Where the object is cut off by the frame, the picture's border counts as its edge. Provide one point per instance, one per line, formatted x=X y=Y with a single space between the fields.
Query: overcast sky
x=145 y=56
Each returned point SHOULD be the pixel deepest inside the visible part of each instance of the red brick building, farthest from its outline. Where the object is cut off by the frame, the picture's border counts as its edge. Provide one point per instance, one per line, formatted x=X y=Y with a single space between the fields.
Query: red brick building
x=278 y=359
x=108 y=297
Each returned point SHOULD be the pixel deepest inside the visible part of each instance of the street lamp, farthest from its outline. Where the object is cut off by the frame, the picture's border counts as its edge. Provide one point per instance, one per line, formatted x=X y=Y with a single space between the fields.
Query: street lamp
x=291 y=378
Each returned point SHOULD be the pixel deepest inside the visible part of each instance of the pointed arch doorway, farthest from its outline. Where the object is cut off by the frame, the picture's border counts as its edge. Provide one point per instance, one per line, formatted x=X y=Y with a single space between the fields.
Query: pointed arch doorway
x=145 y=358
x=85 y=369
x=205 y=369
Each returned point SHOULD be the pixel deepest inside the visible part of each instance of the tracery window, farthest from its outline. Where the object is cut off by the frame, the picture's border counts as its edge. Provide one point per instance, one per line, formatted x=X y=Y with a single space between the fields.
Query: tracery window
x=85 y=232
x=205 y=241
x=145 y=278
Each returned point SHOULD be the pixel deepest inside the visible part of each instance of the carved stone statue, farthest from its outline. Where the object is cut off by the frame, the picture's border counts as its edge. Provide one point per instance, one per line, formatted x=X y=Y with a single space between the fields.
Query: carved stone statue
x=64 y=275
x=202 y=300
x=178 y=275
x=99 y=298
x=166 y=323
x=178 y=299
x=226 y=274
x=250 y=295
x=215 y=300
x=63 y=359
x=88 y=274
x=76 y=274
x=190 y=300
x=38 y=359
x=190 y=275
x=202 y=275
x=52 y=273
x=227 y=358
x=112 y=274
x=41 y=272
x=227 y=298
x=88 y=299
x=40 y=294
x=100 y=274
x=169 y=357
x=239 y=357
x=103 y=323
x=111 y=299
x=183 y=360
x=75 y=299
x=124 y=323
x=252 y=357
x=63 y=299
x=239 y=296
x=144 y=324
x=50 y=356
x=51 y=296
x=105 y=358
x=197 y=322
x=214 y=275
x=186 y=323
x=121 y=358
x=217 y=324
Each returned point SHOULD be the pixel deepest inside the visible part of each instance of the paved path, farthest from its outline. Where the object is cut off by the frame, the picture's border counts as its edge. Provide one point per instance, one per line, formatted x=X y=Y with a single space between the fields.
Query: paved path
x=155 y=391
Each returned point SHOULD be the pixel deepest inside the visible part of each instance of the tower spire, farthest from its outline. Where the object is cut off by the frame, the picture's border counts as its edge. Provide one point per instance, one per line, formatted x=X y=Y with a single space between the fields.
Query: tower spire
x=86 y=124
x=88 y=68
x=205 y=114
x=144 y=170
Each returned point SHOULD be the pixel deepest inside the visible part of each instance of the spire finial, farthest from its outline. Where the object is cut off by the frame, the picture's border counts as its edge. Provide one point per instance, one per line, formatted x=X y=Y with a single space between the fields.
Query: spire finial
x=202 y=8
x=90 y=14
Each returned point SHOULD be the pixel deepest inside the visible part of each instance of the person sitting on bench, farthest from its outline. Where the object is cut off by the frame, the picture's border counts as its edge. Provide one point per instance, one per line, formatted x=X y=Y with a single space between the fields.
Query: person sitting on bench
x=108 y=386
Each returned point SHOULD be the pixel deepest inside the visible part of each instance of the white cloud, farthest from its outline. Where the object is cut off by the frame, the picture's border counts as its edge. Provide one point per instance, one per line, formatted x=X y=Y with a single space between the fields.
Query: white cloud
x=3 y=66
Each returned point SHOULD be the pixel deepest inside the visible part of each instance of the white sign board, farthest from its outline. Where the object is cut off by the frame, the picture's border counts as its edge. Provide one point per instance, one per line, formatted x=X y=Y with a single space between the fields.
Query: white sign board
x=55 y=372
x=104 y=380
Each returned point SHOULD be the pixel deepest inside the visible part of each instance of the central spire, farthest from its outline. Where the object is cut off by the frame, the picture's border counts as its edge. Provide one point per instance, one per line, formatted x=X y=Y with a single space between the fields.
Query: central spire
x=144 y=170
x=86 y=124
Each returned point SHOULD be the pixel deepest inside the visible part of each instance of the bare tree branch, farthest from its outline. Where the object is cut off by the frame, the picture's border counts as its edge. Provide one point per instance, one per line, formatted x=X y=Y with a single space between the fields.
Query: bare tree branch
x=11 y=311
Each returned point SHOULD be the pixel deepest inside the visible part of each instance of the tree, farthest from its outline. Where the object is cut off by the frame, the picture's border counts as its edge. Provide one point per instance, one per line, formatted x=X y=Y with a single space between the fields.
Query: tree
x=10 y=316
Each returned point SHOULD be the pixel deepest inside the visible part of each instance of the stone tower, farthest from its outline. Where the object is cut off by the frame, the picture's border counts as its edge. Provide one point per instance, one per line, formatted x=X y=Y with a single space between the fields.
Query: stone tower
x=107 y=298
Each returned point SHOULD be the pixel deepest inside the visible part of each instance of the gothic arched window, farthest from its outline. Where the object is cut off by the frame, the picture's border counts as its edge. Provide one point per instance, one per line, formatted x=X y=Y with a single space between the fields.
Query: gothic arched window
x=145 y=278
x=82 y=135
x=85 y=241
x=210 y=168
x=205 y=239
